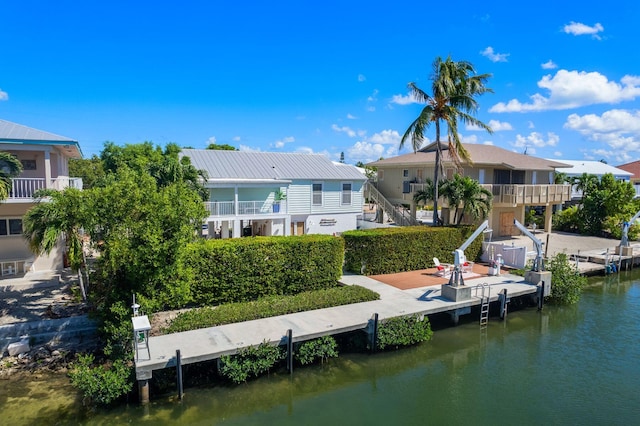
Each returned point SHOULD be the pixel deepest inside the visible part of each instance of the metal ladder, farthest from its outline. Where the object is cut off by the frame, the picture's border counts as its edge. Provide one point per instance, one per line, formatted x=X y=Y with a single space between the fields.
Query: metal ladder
x=484 y=303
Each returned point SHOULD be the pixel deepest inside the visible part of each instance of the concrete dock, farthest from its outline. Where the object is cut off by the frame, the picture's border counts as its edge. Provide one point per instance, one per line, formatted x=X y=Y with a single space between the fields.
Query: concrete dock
x=212 y=343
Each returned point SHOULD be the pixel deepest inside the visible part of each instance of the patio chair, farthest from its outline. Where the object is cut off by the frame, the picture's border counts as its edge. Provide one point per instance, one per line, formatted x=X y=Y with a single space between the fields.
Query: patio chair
x=442 y=269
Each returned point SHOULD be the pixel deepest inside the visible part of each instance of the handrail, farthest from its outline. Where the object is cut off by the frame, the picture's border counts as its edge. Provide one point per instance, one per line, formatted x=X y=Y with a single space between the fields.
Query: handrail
x=398 y=215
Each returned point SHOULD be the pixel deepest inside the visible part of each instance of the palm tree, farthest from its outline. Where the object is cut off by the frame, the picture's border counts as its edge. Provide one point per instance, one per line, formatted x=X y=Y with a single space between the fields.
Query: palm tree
x=584 y=183
x=10 y=167
x=454 y=88
x=57 y=214
x=467 y=196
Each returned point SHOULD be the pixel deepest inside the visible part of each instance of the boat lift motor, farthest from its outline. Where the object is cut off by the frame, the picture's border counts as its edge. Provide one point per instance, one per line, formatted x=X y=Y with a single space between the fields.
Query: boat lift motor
x=456 y=279
x=538 y=262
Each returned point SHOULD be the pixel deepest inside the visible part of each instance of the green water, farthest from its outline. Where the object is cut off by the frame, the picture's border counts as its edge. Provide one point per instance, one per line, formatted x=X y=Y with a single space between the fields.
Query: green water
x=569 y=365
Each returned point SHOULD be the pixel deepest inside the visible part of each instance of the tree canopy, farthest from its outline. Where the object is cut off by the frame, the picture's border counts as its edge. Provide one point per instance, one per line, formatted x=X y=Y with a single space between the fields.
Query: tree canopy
x=10 y=167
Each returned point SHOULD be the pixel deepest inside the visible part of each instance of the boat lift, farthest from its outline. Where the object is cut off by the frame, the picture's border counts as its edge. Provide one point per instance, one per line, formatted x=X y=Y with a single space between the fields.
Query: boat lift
x=624 y=242
x=538 y=262
x=460 y=259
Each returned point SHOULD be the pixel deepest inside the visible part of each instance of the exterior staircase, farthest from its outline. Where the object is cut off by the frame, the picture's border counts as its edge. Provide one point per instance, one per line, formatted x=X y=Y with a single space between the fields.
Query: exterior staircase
x=398 y=214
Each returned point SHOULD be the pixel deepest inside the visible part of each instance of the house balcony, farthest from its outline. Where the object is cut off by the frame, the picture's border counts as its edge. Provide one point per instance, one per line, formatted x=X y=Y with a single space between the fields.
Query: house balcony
x=245 y=208
x=22 y=189
x=522 y=194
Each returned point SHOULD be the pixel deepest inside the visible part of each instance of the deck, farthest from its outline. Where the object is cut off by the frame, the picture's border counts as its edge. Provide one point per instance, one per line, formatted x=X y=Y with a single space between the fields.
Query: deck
x=422 y=298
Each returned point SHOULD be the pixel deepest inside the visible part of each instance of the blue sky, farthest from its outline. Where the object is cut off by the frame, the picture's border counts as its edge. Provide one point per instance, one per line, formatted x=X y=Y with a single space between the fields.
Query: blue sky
x=324 y=77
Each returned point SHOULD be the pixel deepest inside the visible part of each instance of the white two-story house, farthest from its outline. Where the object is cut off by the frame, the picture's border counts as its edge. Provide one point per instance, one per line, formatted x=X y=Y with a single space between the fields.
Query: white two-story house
x=269 y=193
x=45 y=162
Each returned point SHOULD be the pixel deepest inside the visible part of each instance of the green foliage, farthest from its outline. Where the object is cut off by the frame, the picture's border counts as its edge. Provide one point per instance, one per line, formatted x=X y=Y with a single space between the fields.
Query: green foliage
x=100 y=384
x=467 y=197
x=242 y=269
x=605 y=205
x=391 y=250
x=116 y=330
x=250 y=362
x=221 y=147
x=269 y=307
x=567 y=283
x=10 y=167
x=321 y=349
x=89 y=169
x=403 y=331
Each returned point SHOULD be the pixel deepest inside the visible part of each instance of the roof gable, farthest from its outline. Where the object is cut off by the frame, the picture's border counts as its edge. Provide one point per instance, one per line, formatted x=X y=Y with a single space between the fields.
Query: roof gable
x=481 y=156
x=13 y=133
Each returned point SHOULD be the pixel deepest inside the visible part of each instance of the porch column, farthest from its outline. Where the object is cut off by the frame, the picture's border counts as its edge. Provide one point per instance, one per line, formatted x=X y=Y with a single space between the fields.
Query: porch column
x=47 y=169
x=548 y=214
x=237 y=230
x=287 y=225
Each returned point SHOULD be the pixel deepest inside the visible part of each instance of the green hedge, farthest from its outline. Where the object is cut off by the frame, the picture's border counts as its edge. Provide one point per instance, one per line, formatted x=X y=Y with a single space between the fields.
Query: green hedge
x=390 y=250
x=242 y=269
x=269 y=307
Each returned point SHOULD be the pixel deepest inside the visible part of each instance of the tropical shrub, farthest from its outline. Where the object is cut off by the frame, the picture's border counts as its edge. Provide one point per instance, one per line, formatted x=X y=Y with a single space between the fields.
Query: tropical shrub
x=321 y=349
x=566 y=281
x=250 y=362
x=242 y=269
x=101 y=385
x=403 y=331
x=270 y=306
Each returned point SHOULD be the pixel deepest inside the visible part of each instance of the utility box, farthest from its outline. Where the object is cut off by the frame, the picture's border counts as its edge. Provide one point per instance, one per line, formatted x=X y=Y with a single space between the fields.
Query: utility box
x=455 y=294
x=536 y=277
x=624 y=251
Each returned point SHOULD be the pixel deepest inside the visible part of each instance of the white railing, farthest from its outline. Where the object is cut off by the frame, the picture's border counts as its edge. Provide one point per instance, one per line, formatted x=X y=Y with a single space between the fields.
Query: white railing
x=24 y=188
x=228 y=208
x=522 y=194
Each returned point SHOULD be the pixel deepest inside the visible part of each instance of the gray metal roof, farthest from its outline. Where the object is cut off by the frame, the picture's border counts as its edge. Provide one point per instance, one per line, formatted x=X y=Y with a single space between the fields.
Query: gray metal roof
x=221 y=164
x=17 y=132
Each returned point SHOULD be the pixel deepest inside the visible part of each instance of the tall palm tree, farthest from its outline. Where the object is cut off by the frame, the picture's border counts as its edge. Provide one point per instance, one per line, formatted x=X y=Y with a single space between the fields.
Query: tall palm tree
x=10 y=167
x=454 y=88
x=476 y=200
x=584 y=183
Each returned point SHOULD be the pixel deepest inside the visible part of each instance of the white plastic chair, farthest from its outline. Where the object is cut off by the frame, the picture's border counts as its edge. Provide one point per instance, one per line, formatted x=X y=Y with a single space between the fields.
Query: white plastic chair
x=443 y=269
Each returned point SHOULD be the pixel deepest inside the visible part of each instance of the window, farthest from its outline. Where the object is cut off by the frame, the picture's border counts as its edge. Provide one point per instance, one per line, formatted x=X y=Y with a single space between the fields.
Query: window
x=380 y=175
x=405 y=173
x=317 y=194
x=10 y=227
x=28 y=164
x=346 y=194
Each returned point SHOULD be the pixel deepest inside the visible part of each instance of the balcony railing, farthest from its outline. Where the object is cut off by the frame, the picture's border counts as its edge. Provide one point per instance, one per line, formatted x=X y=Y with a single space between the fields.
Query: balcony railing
x=522 y=194
x=24 y=188
x=228 y=208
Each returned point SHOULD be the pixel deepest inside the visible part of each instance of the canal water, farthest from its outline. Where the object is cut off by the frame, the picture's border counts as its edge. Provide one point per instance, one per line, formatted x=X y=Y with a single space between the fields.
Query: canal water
x=564 y=365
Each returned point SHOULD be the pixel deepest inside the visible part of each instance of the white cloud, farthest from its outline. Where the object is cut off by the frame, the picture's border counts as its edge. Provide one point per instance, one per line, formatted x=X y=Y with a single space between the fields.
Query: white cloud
x=361 y=78
x=403 y=99
x=496 y=126
x=374 y=96
x=249 y=149
x=549 y=65
x=348 y=130
x=371 y=108
x=537 y=140
x=572 y=89
x=531 y=125
x=384 y=144
x=351 y=117
x=557 y=154
x=211 y=140
x=281 y=143
x=4 y=96
x=236 y=138
x=620 y=129
x=578 y=28
x=469 y=139
x=494 y=56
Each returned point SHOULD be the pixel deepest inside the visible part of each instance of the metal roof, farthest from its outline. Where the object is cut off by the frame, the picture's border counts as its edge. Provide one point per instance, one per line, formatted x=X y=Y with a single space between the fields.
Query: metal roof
x=221 y=164
x=13 y=133
x=578 y=167
x=481 y=155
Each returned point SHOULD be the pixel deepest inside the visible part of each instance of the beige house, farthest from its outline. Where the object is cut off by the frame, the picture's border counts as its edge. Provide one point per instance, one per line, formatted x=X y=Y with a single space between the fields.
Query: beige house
x=45 y=162
x=515 y=180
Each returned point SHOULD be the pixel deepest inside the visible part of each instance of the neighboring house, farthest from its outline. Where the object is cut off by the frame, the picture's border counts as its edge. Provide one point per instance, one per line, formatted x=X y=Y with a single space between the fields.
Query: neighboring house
x=515 y=180
x=319 y=197
x=597 y=168
x=634 y=169
x=45 y=160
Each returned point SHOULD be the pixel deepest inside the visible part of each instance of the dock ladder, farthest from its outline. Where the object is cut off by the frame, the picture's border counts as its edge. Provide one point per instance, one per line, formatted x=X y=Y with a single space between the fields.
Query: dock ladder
x=484 y=303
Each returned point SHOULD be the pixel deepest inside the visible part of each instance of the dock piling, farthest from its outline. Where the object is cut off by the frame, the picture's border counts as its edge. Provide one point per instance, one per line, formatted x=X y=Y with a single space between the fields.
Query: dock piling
x=179 y=374
x=143 y=391
x=374 y=334
x=290 y=351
